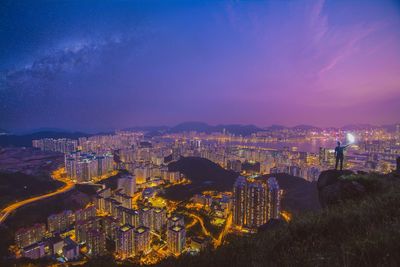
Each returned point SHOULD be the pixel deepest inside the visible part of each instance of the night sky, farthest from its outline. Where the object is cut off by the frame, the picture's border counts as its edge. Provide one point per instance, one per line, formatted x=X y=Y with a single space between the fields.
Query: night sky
x=96 y=65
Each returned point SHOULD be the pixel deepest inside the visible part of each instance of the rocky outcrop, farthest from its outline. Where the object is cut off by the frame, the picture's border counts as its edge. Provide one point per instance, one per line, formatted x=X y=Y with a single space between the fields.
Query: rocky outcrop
x=271 y=224
x=333 y=188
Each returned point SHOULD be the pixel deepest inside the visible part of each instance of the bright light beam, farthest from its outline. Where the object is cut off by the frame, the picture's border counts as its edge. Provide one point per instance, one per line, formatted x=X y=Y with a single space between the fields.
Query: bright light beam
x=350 y=138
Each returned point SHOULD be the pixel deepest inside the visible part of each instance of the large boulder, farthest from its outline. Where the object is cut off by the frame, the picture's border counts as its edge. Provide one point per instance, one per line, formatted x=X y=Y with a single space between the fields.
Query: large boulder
x=330 y=177
x=333 y=188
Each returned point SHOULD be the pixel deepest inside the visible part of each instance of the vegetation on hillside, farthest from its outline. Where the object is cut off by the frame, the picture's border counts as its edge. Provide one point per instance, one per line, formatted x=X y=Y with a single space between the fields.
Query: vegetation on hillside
x=19 y=186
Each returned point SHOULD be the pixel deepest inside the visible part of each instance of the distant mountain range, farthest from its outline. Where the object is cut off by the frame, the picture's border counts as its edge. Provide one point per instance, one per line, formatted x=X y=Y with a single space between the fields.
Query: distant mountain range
x=301 y=127
x=236 y=129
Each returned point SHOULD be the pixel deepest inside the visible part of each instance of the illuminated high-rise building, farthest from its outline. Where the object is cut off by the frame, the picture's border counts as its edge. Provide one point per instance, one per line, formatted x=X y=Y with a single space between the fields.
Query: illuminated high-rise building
x=322 y=156
x=61 y=221
x=142 y=173
x=234 y=165
x=70 y=167
x=83 y=227
x=70 y=251
x=62 y=145
x=127 y=184
x=109 y=226
x=175 y=220
x=86 y=169
x=128 y=216
x=326 y=157
x=127 y=155
x=96 y=242
x=27 y=236
x=125 y=200
x=239 y=201
x=176 y=239
x=142 y=240
x=125 y=241
x=174 y=177
x=105 y=164
x=398 y=132
x=274 y=198
x=256 y=204
x=255 y=201
x=159 y=219
x=85 y=213
x=34 y=251
x=146 y=217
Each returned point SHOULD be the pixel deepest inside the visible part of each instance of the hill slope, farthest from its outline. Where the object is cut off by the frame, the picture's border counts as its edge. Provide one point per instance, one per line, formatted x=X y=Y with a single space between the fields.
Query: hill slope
x=204 y=174
x=299 y=194
x=358 y=232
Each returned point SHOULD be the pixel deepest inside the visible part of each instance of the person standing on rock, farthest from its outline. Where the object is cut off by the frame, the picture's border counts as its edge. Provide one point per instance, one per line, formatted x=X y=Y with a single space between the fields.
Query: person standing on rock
x=339 y=155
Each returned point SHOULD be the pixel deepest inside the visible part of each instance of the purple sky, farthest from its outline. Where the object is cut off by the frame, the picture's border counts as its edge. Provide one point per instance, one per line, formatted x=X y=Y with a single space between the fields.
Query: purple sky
x=95 y=65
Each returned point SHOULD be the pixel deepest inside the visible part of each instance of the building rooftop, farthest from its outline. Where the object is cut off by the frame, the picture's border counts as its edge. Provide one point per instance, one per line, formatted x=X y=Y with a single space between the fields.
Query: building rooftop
x=126 y=227
x=158 y=210
x=175 y=218
x=141 y=229
x=177 y=228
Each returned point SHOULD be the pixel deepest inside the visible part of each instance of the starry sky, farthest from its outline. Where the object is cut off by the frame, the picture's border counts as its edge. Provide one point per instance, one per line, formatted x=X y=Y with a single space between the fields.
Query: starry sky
x=99 y=65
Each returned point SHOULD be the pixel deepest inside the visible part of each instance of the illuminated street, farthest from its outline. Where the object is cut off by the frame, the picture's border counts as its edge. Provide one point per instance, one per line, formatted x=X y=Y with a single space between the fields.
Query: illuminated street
x=56 y=175
x=224 y=232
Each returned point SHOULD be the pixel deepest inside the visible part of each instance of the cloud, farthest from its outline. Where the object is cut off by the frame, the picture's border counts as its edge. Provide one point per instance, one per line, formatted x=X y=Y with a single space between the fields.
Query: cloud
x=318 y=21
x=348 y=47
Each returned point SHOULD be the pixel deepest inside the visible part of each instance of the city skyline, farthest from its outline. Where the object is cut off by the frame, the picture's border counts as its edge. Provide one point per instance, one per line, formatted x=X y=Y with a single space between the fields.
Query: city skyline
x=191 y=126
x=110 y=65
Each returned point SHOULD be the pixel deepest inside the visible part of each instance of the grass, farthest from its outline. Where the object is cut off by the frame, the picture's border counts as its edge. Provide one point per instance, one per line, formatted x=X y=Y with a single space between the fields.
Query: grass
x=18 y=186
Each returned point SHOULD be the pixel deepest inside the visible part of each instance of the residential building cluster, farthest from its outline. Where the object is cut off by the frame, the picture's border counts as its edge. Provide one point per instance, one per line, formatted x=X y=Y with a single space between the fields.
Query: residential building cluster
x=85 y=167
x=255 y=202
x=62 y=145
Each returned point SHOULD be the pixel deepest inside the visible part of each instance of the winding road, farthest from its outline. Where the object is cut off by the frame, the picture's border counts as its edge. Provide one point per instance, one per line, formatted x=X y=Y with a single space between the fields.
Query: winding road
x=56 y=175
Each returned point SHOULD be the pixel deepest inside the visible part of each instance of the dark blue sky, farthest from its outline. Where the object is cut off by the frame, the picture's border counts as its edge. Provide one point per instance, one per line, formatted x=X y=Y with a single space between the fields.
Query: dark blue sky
x=94 y=65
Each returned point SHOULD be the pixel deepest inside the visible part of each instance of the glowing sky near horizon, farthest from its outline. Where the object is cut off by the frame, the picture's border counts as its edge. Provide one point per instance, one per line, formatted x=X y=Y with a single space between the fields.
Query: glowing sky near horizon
x=100 y=64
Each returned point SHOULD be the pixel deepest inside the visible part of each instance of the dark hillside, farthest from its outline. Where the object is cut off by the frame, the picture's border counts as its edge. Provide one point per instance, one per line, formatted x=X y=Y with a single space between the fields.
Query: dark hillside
x=204 y=174
x=299 y=194
x=19 y=186
x=201 y=170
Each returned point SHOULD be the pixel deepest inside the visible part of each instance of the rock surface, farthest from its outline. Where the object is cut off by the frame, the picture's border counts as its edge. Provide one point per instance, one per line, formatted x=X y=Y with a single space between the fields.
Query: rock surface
x=333 y=189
